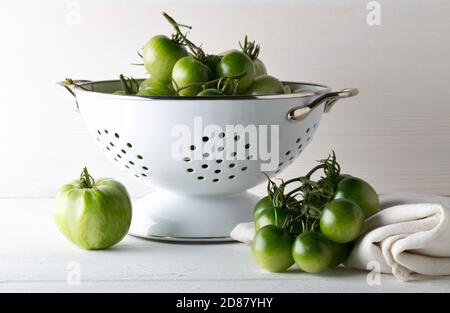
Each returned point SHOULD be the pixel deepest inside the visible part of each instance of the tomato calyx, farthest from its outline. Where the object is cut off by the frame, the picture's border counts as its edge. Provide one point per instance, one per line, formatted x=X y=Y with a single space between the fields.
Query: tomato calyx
x=86 y=180
x=250 y=48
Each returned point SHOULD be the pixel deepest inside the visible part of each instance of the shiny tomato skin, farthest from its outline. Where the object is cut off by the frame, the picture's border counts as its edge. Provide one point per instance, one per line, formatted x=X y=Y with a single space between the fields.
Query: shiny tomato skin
x=188 y=70
x=234 y=63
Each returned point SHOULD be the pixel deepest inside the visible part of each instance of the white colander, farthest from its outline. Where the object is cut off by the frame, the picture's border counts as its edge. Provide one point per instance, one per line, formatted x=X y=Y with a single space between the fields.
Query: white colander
x=201 y=191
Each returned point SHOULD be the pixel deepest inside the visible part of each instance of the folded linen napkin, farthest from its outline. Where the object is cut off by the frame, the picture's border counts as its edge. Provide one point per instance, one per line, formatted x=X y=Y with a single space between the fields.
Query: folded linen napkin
x=409 y=238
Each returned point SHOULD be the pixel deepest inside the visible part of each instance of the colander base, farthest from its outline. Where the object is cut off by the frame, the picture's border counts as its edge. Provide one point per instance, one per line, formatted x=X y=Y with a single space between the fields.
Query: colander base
x=170 y=217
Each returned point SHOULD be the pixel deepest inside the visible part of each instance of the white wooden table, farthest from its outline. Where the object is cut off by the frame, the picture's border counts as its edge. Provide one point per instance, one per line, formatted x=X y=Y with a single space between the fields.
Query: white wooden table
x=34 y=256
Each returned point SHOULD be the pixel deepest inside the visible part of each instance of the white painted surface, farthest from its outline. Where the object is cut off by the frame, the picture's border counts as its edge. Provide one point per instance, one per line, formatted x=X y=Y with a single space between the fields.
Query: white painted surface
x=395 y=133
x=34 y=256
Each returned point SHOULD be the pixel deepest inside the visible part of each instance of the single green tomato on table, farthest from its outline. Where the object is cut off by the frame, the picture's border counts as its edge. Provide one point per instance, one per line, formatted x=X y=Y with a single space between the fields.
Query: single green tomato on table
x=265 y=85
x=160 y=55
x=341 y=220
x=93 y=214
x=360 y=192
x=312 y=252
x=272 y=248
x=189 y=70
x=235 y=63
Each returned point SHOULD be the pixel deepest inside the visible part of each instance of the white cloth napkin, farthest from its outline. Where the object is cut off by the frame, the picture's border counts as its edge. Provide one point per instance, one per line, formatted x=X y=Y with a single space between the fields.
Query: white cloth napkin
x=409 y=238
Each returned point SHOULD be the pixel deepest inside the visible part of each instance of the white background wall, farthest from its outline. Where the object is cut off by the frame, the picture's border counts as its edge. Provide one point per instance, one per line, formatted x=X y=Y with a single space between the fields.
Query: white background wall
x=395 y=134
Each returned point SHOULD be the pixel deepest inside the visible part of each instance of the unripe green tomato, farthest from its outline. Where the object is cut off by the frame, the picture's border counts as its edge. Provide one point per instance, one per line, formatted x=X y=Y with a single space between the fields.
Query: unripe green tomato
x=235 y=63
x=260 y=68
x=153 y=87
x=272 y=248
x=95 y=215
x=189 y=70
x=160 y=55
x=265 y=85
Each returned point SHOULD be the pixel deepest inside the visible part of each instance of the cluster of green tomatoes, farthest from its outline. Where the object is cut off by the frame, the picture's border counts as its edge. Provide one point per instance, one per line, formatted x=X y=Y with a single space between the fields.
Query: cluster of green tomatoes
x=179 y=67
x=312 y=223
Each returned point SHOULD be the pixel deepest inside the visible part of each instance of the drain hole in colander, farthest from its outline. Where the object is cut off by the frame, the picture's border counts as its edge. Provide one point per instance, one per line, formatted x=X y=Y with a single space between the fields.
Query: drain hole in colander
x=145 y=168
x=98 y=139
x=231 y=165
x=204 y=165
x=206 y=154
x=217 y=171
x=116 y=135
x=192 y=147
x=236 y=137
x=116 y=160
x=244 y=168
x=119 y=156
x=200 y=178
x=307 y=131
x=247 y=146
x=291 y=158
x=220 y=149
x=145 y=175
x=190 y=170
x=299 y=147
x=99 y=132
x=281 y=164
x=106 y=131
x=123 y=151
x=131 y=162
x=215 y=180
x=108 y=148
x=112 y=145
x=308 y=139
x=205 y=139
x=233 y=154
x=315 y=125
x=288 y=152
x=221 y=135
x=231 y=176
x=129 y=145
x=137 y=175
x=186 y=159
x=298 y=140
x=139 y=157
x=127 y=166
x=277 y=171
x=219 y=161
x=249 y=157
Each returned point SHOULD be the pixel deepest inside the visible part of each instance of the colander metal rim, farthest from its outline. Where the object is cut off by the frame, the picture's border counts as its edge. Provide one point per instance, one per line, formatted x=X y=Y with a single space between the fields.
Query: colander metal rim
x=324 y=89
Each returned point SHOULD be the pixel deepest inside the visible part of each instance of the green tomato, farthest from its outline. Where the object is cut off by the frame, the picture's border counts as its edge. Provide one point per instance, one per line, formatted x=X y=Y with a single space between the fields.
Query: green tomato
x=189 y=70
x=360 y=192
x=210 y=92
x=265 y=85
x=235 y=63
x=93 y=214
x=271 y=216
x=312 y=252
x=153 y=87
x=340 y=253
x=260 y=68
x=341 y=220
x=287 y=89
x=272 y=248
x=261 y=205
x=160 y=55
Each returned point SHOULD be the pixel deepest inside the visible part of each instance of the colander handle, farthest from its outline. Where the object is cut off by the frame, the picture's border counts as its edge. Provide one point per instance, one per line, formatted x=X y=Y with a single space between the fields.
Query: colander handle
x=70 y=89
x=300 y=113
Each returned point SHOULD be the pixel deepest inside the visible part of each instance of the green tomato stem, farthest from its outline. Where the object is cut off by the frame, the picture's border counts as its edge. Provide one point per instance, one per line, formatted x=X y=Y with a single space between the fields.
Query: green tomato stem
x=86 y=180
x=204 y=85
